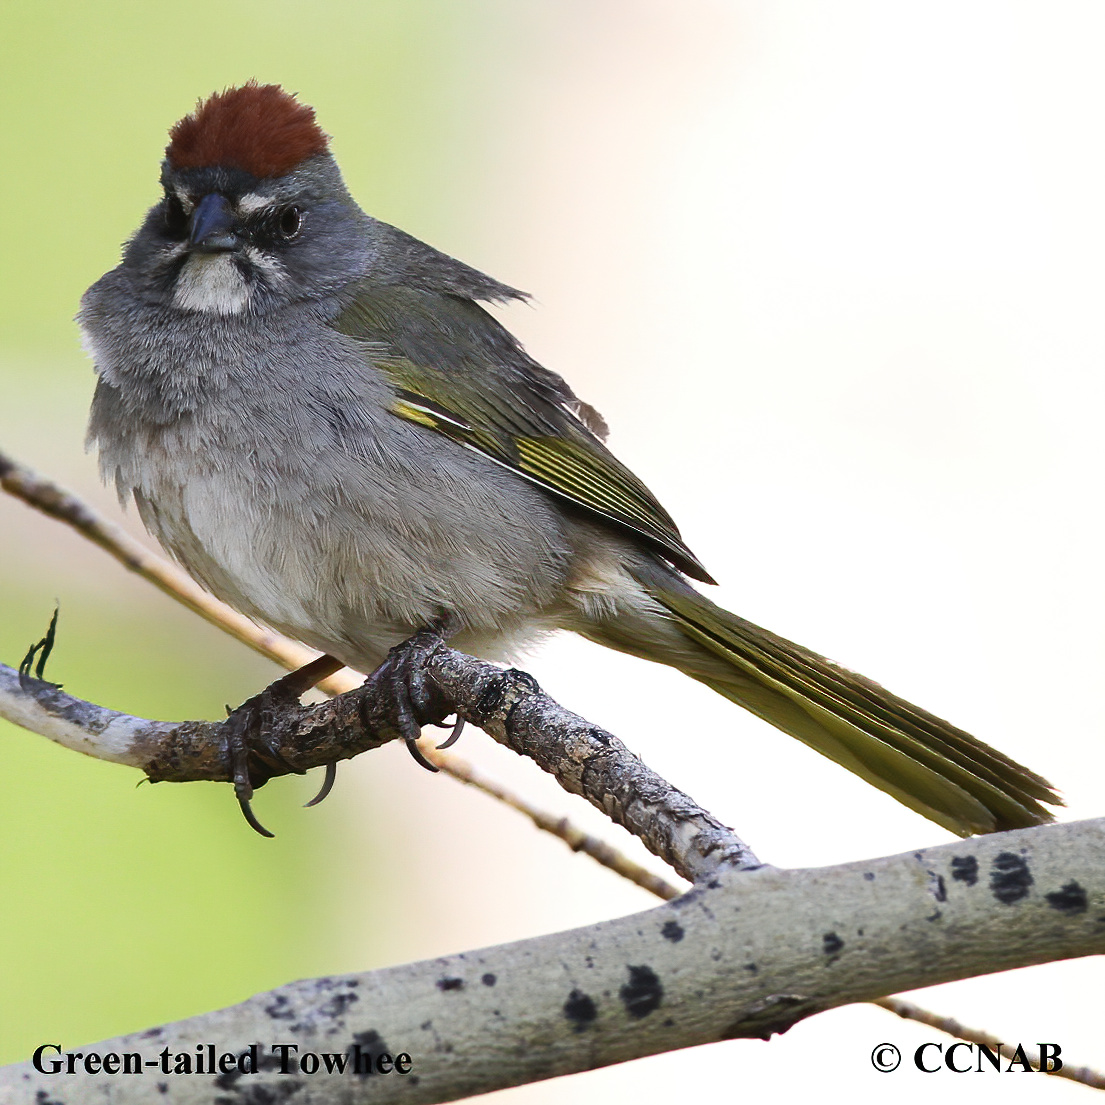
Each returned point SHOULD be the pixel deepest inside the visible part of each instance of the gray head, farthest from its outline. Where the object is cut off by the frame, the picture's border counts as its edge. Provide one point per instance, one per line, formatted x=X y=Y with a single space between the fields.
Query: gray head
x=255 y=214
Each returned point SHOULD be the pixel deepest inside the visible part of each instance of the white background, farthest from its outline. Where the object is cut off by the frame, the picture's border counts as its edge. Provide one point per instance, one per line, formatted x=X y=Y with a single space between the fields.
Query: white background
x=833 y=273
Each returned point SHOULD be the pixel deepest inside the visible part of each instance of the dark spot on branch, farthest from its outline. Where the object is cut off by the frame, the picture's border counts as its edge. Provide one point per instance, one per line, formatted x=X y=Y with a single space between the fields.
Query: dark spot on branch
x=371 y=1044
x=642 y=993
x=488 y=979
x=268 y=1061
x=280 y=1009
x=450 y=984
x=937 y=887
x=831 y=944
x=338 y=1004
x=226 y=1080
x=672 y=931
x=1070 y=899
x=868 y=876
x=965 y=869
x=1010 y=878
x=580 y=1010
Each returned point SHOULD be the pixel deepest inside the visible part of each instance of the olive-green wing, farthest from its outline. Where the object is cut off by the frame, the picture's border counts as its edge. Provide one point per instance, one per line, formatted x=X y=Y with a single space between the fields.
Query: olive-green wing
x=460 y=373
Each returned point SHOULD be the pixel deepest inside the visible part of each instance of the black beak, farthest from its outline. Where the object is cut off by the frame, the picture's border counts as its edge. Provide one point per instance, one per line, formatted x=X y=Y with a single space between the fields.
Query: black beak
x=214 y=226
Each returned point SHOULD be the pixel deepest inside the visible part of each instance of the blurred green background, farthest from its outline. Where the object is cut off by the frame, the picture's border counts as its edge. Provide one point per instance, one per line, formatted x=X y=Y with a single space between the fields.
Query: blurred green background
x=122 y=908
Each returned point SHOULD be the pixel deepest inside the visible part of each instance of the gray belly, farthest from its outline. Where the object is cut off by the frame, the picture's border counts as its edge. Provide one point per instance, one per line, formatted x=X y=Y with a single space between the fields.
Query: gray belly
x=354 y=559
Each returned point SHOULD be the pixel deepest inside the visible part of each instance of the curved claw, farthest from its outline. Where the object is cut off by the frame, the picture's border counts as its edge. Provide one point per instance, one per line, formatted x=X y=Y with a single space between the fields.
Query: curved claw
x=327 y=785
x=416 y=752
x=454 y=736
x=246 y=729
x=251 y=818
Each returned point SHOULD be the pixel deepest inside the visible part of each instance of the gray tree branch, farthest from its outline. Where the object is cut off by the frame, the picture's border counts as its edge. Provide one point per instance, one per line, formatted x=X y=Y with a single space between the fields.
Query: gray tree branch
x=747 y=955
x=508 y=705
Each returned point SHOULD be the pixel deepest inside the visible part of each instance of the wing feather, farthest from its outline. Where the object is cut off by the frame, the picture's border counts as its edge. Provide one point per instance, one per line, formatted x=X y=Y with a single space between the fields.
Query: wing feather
x=458 y=372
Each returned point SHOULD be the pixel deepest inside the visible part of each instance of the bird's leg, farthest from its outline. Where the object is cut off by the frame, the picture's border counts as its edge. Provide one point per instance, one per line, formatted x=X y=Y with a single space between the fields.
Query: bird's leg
x=253 y=759
x=414 y=701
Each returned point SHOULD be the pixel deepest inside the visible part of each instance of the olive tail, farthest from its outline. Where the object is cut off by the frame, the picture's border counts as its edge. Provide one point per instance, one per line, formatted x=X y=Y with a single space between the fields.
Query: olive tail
x=929 y=765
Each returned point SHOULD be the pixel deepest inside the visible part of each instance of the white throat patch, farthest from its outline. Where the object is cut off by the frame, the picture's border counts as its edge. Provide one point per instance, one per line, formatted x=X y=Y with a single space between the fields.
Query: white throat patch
x=211 y=282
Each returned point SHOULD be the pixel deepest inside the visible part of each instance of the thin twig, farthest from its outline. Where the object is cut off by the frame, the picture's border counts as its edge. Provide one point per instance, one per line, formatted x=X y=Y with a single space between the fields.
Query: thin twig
x=910 y=1012
x=575 y=838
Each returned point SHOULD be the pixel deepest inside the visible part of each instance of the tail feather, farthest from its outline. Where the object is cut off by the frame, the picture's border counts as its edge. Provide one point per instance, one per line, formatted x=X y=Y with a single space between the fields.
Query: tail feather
x=940 y=771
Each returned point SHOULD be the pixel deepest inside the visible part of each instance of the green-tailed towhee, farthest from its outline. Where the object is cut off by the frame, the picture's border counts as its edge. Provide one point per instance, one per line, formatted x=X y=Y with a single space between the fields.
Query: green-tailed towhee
x=314 y=415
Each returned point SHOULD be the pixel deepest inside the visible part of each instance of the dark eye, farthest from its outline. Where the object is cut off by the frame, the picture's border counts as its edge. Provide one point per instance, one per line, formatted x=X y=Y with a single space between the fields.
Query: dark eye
x=289 y=221
x=176 y=221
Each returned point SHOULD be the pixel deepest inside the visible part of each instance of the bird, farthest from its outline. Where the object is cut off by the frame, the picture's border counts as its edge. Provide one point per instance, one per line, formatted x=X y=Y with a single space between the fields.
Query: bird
x=315 y=414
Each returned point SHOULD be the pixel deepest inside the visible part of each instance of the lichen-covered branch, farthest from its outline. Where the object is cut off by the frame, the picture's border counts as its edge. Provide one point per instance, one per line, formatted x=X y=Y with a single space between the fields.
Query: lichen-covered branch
x=507 y=704
x=746 y=956
x=588 y=761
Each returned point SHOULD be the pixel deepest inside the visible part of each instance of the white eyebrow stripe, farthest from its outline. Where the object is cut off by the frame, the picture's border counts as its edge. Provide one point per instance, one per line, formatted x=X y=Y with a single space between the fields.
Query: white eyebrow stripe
x=253 y=202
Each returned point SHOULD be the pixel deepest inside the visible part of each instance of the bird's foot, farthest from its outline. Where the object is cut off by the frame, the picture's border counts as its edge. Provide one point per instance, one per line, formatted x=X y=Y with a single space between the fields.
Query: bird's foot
x=414 y=700
x=254 y=757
